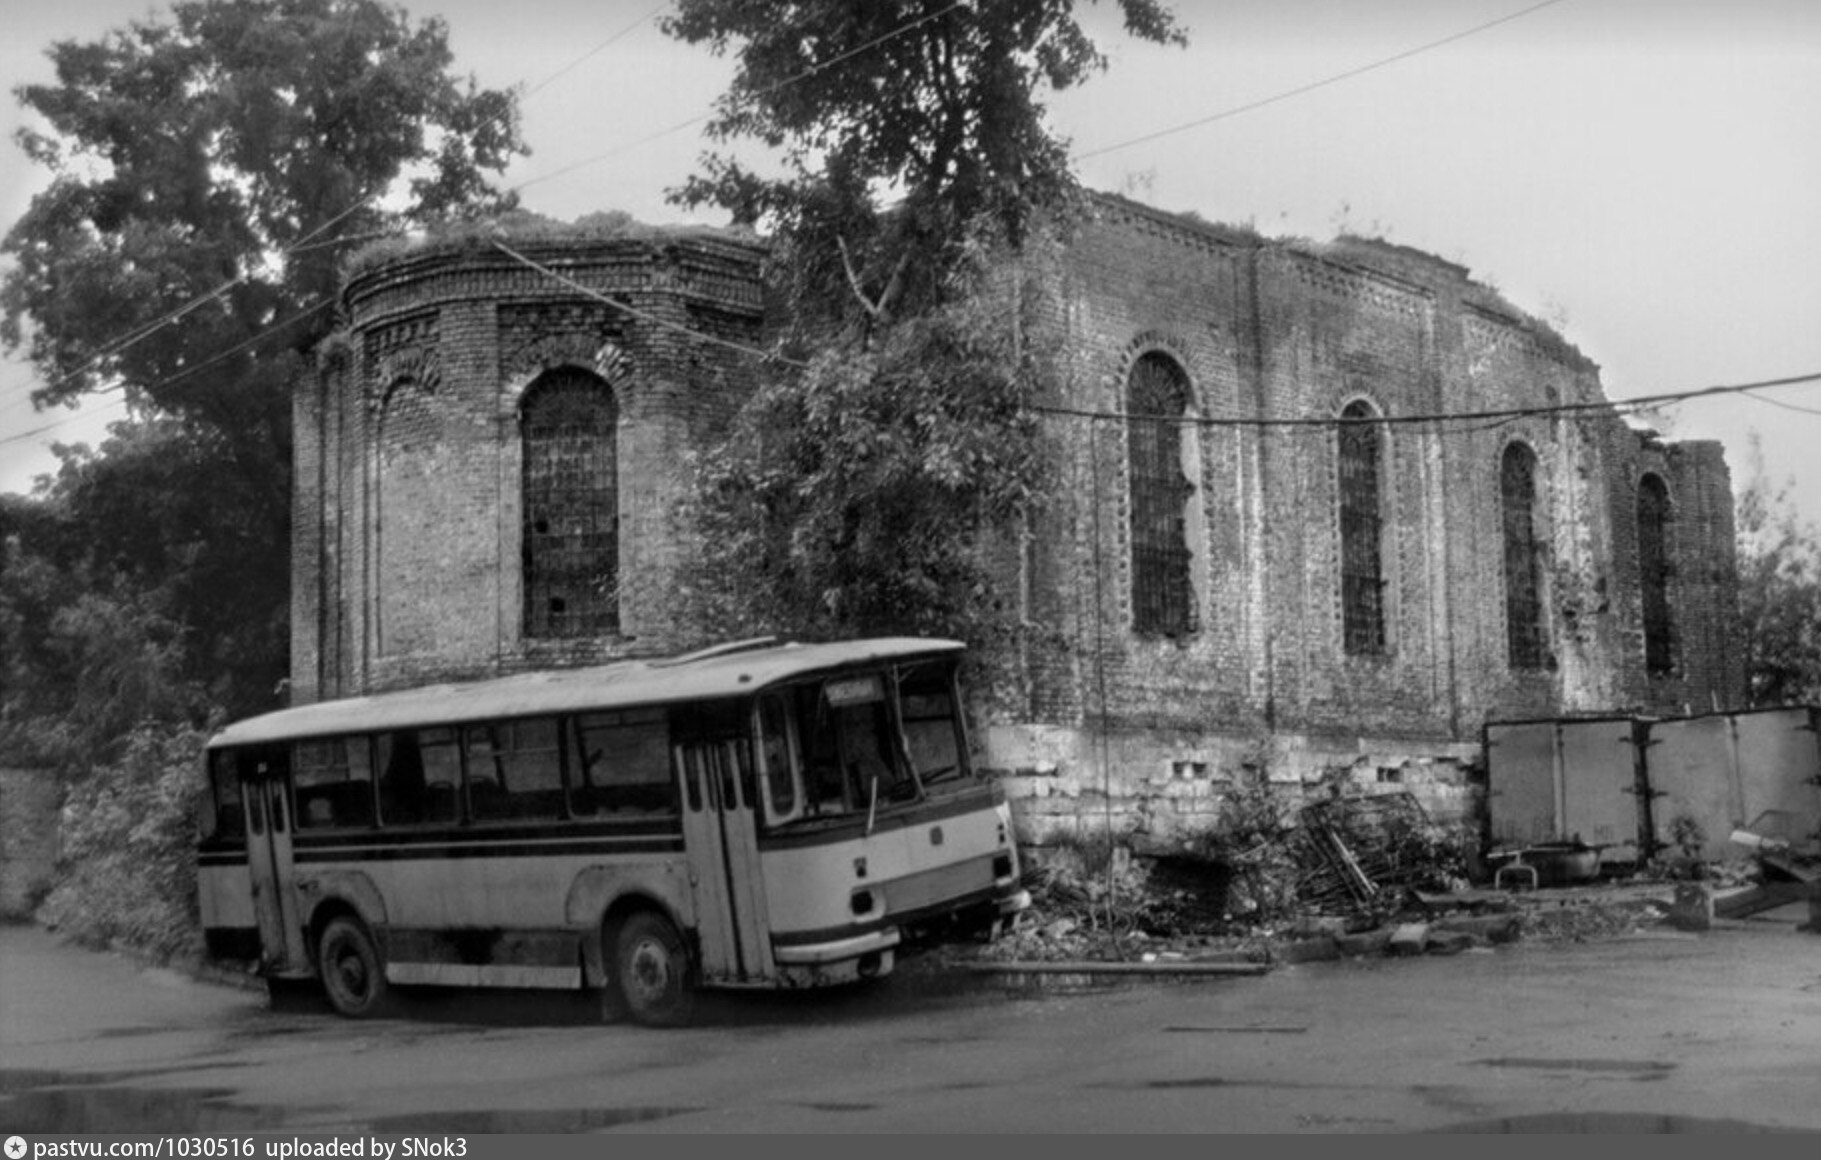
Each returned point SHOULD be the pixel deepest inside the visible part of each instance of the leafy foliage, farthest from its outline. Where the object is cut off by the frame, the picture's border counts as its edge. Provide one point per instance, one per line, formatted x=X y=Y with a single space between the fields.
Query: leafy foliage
x=891 y=448
x=209 y=173
x=1779 y=594
x=857 y=497
x=933 y=103
x=129 y=874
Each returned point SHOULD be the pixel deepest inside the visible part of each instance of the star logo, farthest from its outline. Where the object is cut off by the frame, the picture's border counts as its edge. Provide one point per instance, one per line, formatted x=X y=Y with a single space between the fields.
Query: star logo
x=15 y=1147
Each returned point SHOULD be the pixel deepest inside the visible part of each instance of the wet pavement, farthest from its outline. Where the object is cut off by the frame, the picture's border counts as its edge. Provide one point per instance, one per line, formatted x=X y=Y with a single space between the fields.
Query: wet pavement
x=1659 y=1033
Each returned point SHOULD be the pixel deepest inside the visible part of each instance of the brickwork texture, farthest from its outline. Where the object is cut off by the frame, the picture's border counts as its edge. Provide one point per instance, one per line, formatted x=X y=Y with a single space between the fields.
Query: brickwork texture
x=409 y=558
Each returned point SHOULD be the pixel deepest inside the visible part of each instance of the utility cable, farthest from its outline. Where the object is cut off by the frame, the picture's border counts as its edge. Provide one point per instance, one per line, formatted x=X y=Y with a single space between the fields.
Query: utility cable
x=797 y=78
x=1313 y=85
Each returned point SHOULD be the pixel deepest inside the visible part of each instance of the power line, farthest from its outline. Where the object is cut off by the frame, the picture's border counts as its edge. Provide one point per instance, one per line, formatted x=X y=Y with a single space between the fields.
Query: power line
x=1313 y=85
x=643 y=315
x=306 y=243
x=579 y=61
x=1494 y=416
x=1490 y=418
x=218 y=357
x=812 y=70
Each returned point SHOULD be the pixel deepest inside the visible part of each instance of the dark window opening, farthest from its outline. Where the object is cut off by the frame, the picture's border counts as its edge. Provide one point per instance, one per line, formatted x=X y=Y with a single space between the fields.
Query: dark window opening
x=334 y=781
x=1655 y=570
x=1362 y=580
x=571 y=507
x=932 y=723
x=515 y=770
x=624 y=765
x=1527 y=647
x=421 y=778
x=224 y=817
x=1162 y=596
x=853 y=758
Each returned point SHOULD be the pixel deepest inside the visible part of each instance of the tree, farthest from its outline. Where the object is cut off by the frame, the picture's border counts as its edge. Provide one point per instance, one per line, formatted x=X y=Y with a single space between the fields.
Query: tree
x=857 y=496
x=914 y=225
x=932 y=104
x=209 y=173
x=1779 y=594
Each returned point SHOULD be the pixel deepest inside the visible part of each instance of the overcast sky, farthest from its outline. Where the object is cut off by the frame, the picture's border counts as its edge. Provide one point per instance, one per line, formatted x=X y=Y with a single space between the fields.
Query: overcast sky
x=1642 y=173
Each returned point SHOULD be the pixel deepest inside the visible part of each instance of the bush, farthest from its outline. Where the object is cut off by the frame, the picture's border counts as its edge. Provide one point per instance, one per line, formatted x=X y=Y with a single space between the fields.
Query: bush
x=127 y=874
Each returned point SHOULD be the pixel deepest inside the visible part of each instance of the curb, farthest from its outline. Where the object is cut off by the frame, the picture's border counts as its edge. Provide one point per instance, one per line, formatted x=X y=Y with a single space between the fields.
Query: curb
x=1089 y=967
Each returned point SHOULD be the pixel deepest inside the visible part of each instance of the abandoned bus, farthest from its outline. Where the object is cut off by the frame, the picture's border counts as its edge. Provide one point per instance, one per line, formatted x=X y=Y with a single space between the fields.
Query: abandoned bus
x=755 y=814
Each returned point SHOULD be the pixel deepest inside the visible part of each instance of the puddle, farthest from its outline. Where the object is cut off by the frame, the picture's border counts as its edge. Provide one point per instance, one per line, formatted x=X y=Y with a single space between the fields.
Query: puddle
x=67 y=1102
x=526 y=1120
x=1642 y=1069
x=833 y=1107
x=1610 y=1123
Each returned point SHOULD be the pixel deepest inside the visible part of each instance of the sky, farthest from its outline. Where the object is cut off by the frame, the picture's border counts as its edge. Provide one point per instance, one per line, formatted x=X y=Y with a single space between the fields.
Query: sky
x=1644 y=174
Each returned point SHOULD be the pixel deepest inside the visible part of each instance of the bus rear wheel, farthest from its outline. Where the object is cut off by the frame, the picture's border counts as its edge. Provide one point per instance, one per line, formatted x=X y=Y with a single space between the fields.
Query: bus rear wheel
x=353 y=976
x=651 y=971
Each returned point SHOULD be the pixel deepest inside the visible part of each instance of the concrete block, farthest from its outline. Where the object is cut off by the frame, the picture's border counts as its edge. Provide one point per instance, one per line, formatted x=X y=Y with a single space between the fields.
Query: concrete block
x=1408 y=938
x=1448 y=942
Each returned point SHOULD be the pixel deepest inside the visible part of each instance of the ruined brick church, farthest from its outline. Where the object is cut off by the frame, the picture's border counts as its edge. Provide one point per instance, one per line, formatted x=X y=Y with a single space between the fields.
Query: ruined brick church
x=1296 y=573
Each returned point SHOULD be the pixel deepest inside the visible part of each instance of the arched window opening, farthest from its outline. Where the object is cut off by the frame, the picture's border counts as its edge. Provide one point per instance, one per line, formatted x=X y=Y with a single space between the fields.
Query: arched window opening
x=571 y=532
x=1362 y=578
x=1526 y=642
x=1654 y=574
x=1157 y=399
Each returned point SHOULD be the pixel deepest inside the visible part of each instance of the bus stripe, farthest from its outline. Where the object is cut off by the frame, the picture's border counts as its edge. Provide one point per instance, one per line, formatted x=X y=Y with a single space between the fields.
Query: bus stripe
x=426 y=851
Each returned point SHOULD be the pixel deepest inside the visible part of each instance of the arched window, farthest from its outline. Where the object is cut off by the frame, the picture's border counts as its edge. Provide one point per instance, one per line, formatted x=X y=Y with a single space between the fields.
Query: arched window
x=1654 y=572
x=1362 y=577
x=571 y=533
x=1157 y=398
x=1526 y=644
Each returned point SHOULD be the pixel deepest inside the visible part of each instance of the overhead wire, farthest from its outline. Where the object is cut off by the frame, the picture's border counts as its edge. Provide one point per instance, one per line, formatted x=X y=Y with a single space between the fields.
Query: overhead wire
x=174 y=316
x=1488 y=418
x=796 y=78
x=1313 y=85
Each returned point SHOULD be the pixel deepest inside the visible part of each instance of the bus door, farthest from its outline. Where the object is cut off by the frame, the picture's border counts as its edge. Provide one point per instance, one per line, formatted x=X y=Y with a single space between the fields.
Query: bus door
x=720 y=833
x=264 y=774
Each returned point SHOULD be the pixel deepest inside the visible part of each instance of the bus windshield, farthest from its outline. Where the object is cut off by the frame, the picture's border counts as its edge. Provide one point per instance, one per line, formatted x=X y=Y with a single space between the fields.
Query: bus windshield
x=859 y=741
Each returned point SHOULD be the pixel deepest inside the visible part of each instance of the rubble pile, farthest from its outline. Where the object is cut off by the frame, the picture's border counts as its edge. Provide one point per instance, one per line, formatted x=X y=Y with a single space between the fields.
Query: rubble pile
x=1340 y=877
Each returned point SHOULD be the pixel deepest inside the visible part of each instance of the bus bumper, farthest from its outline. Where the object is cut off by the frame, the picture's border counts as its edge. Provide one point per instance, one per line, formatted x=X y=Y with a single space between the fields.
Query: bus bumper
x=811 y=954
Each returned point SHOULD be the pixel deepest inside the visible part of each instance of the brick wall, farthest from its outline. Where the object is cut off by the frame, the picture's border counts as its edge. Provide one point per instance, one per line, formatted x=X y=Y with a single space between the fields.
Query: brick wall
x=407 y=564
x=1150 y=730
x=407 y=556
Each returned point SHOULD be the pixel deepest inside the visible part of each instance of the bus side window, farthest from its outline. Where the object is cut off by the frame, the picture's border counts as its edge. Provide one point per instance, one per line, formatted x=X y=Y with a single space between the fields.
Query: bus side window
x=623 y=765
x=334 y=782
x=779 y=770
x=422 y=772
x=515 y=770
x=226 y=818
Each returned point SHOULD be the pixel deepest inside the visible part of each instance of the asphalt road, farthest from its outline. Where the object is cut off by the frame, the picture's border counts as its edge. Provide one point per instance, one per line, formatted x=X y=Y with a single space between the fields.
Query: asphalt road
x=1668 y=1032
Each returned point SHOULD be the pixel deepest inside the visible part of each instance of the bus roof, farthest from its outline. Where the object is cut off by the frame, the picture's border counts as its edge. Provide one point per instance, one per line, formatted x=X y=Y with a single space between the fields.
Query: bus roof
x=724 y=671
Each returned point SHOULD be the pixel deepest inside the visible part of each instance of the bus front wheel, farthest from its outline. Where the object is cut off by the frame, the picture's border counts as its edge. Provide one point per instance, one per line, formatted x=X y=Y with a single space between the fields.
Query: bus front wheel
x=352 y=974
x=651 y=971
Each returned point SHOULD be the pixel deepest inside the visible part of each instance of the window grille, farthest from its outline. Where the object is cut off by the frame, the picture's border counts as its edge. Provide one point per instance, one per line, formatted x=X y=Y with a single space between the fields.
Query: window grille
x=1527 y=648
x=571 y=507
x=1362 y=581
x=1162 y=596
x=1654 y=573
